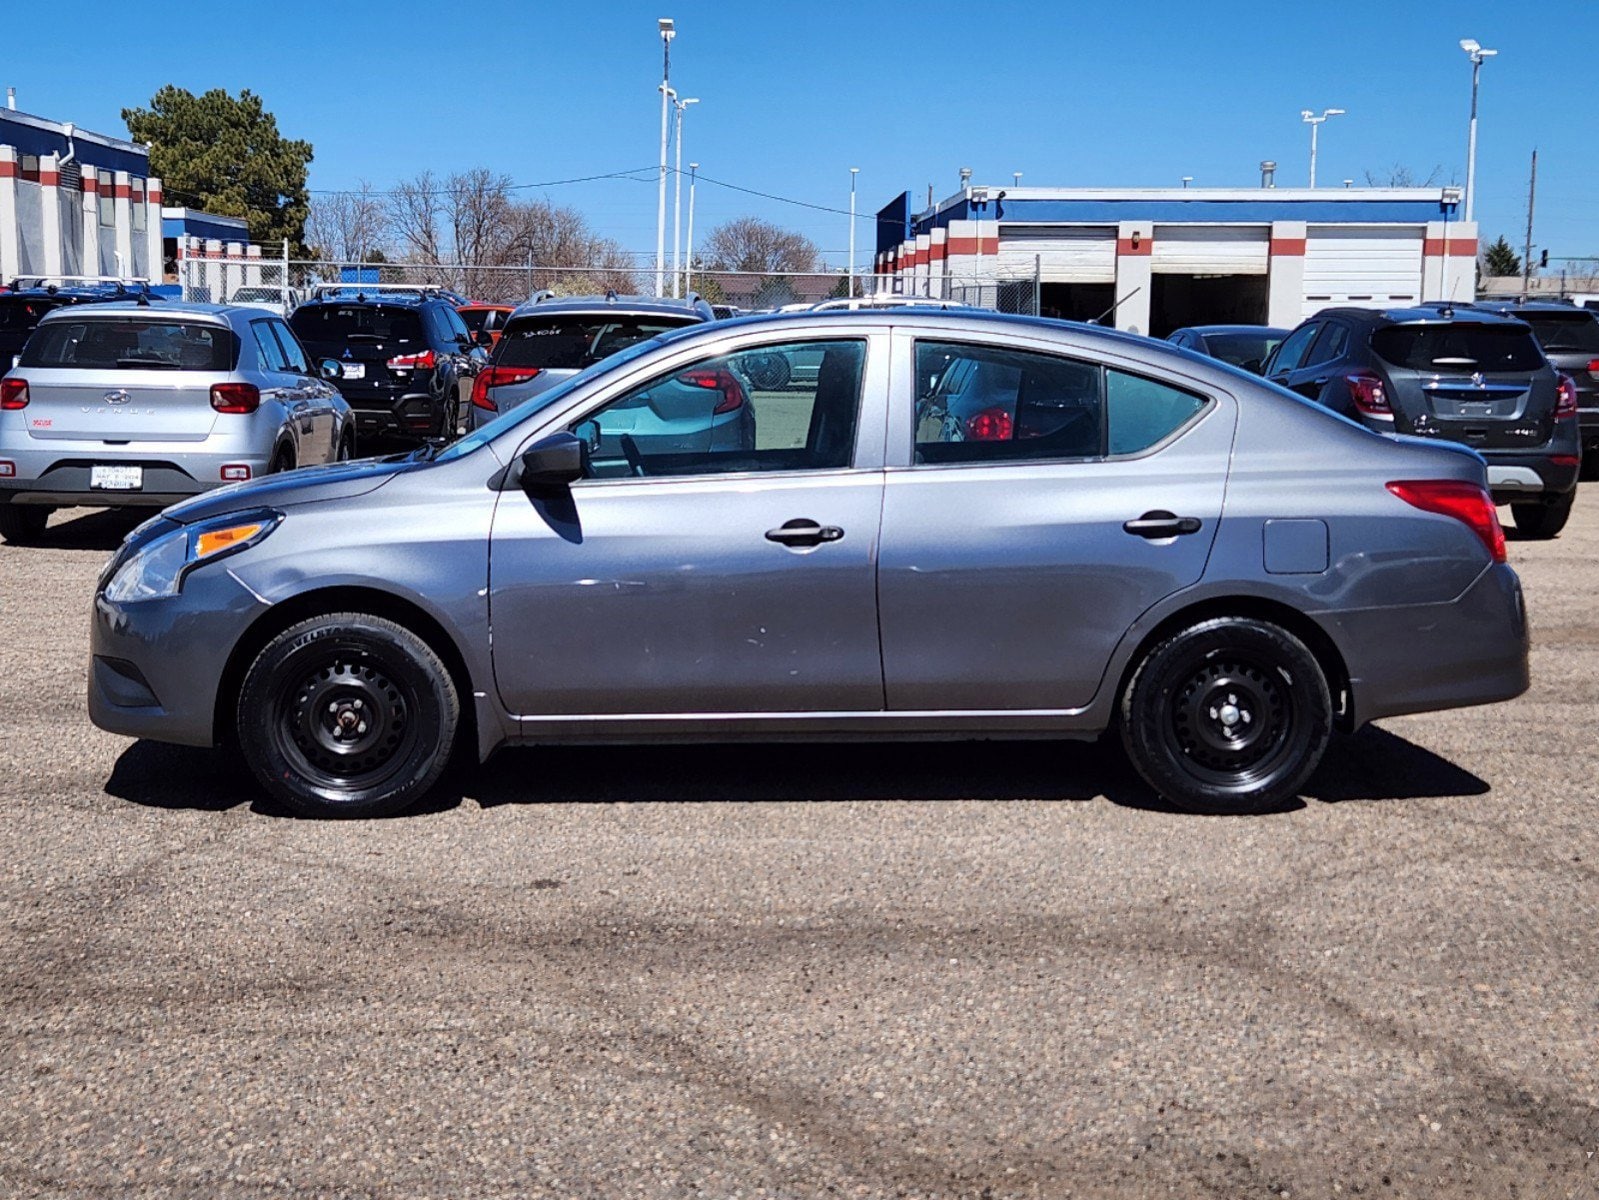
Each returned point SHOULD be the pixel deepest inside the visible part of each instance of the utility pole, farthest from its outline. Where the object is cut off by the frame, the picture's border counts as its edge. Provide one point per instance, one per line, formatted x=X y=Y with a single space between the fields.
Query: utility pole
x=668 y=32
x=1526 y=258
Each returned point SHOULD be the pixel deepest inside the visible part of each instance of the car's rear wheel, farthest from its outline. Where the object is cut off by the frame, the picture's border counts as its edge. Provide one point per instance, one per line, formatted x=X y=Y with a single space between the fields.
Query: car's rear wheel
x=347 y=715
x=1543 y=518
x=282 y=461
x=346 y=450
x=23 y=524
x=1228 y=716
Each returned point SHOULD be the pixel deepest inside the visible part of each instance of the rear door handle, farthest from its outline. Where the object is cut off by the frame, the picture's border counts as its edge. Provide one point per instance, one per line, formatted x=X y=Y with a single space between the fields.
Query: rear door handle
x=1158 y=523
x=803 y=532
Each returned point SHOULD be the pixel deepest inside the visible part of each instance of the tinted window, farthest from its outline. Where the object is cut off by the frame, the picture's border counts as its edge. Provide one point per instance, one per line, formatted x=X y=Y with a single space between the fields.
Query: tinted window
x=132 y=344
x=1247 y=350
x=1334 y=337
x=18 y=312
x=1559 y=333
x=454 y=327
x=1142 y=412
x=985 y=404
x=729 y=413
x=1293 y=349
x=477 y=319
x=557 y=342
x=1458 y=349
x=271 y=353
x=356 y=323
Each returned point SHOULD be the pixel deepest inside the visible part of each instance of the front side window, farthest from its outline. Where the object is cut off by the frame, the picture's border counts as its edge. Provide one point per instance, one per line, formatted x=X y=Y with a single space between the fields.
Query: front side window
x=1293 y=349
x=790 y=407
x=1334 y=337
x=131 y=344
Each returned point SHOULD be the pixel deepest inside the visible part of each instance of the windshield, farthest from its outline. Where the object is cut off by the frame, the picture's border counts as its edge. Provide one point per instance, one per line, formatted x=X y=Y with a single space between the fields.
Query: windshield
x=511 y=418
x=1242 y=349
x=1458 y=349
x=131 y=344
x=1557 y=334
x=561 y=342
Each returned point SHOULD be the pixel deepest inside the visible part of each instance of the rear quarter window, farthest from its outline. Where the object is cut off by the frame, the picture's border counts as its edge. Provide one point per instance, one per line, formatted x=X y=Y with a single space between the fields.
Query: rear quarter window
x=131 y=344
x=1459 y=349
x=553 y=343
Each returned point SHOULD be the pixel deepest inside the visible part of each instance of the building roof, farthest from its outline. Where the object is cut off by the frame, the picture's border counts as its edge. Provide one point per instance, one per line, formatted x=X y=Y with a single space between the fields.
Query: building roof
x=37 y=135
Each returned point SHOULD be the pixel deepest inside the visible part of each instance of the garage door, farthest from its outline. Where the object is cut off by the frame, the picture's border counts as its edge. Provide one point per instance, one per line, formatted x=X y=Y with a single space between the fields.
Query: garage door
x=1365 y=267
x=1211 y=249
x=1078 y=254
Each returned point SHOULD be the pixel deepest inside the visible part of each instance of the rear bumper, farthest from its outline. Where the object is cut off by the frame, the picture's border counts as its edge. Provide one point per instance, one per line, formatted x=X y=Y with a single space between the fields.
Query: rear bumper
x=63 y=482
x=396 y=413
x=1528 y=476
x=1420 y=658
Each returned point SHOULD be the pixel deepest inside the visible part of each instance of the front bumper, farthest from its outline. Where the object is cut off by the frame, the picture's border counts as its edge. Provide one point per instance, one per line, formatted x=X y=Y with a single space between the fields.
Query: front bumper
x=1425 y=657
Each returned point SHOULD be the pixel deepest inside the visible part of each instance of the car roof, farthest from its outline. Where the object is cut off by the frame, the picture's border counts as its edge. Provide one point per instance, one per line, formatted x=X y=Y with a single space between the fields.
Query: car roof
x=1434 y=313
x=610 y=302
x=1534 y=307
x=1207 y=330
x=168 y=308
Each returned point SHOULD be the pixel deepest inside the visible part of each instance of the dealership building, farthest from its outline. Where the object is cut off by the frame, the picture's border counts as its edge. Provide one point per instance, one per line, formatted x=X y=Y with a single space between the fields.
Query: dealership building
x=1154 y=260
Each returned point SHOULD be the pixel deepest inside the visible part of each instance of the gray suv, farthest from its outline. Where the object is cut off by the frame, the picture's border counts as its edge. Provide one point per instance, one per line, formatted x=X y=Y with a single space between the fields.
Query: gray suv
x=127 y=404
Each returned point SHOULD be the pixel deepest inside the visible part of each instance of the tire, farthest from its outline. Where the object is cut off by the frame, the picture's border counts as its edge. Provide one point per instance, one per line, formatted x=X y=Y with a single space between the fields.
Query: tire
x=1541 y=519
x=346 y=450
x=282 y=461
x=23 y=524
x=305 y=718
x=1589 y=471
x=1192 y=693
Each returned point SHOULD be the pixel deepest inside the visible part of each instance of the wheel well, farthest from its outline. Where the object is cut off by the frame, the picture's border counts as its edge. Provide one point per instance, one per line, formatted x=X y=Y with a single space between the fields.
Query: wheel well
x=341 y=599
x=284 y=450
x=1295 y=622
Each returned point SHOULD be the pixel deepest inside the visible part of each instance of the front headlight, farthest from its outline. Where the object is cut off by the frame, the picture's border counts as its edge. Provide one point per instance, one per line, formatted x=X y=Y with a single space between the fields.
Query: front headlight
x=158 y=569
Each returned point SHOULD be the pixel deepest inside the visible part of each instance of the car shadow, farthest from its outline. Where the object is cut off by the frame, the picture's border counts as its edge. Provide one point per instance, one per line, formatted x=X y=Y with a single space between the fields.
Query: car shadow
x=1371 y=765
x=94 y=529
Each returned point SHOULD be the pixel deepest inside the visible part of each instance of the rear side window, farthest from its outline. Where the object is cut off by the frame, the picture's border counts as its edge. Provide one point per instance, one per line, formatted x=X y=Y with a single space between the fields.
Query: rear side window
x=271 y=353
x=1577 y=333
x=557 y=342
x=131 y=344
x=1458 y=349
x=340 y=323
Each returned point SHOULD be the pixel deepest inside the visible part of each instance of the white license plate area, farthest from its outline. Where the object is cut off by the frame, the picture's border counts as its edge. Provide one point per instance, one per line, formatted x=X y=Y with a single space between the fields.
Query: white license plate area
x=116 y=479
x=353 y=370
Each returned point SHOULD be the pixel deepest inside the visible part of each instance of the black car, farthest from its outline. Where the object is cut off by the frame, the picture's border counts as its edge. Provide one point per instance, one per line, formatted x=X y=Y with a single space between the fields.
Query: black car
x=403 y=359
x=1460 y=374
x=30 y=298
x=1245 y=346
x=1570 y=339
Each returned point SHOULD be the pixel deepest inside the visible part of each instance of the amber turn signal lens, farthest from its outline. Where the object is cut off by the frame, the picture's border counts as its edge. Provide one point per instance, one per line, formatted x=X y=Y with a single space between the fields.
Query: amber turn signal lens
x=221 y=539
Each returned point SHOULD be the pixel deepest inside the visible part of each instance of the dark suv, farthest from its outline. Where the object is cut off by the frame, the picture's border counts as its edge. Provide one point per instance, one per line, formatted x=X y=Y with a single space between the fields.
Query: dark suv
x=1570 y=339
x=402 y=358
x=1459 y=374
x=29 y=298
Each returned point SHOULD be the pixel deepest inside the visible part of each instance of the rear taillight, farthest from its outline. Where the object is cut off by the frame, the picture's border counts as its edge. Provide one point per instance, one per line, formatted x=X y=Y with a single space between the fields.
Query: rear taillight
x=493 y=377
x=1368 y=394
x=717 y=379
x=413 y=362
x=13 y=393
x=990 y=425
x=1566 y=404
x=1593 y=368
x=235 y=397
x=1463 y=501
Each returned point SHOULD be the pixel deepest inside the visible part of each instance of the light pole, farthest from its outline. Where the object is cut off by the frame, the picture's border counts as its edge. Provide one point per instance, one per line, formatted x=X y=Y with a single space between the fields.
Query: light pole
x=677 y=199
x=1311 y=119
x=853 y=171
x=1017 y=176
x=1476 y=53
x=688 y=265
x=667 y=34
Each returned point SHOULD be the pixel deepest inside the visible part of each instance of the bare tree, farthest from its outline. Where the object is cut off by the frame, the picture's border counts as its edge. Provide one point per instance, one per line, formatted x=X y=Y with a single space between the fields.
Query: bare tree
x=752 y=245
x=348 y=226
x=1401 y=176
x=477 y=204
x=416 y=215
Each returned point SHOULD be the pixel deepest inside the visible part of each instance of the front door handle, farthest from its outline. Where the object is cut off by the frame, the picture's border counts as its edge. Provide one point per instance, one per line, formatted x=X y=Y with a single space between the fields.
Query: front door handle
x=1158 y=523
x=803 y=532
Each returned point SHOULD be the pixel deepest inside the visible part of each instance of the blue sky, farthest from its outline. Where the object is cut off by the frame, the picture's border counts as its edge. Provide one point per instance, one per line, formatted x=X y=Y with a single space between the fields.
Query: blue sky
x=1135 y=93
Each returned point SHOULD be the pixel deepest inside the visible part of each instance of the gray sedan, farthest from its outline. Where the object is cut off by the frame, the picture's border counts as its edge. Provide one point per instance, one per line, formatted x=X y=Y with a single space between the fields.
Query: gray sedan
x=128 y=404
x=965 y=526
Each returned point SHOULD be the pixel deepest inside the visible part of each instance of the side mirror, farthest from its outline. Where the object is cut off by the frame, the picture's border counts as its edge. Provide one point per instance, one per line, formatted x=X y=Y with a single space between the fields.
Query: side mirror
x=329 y=368
x=554 y=462
x=589 y=431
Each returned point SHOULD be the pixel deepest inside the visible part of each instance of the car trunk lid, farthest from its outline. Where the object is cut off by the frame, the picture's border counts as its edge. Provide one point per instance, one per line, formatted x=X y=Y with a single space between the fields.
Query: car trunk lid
x=136 y=406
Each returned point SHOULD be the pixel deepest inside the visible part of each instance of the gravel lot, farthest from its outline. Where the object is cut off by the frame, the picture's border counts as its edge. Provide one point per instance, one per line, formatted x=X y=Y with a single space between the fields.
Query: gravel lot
x=982 y=971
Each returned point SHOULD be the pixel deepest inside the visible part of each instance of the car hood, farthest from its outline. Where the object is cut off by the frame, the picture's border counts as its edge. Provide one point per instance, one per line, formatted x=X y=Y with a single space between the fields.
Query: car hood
x=308 y=485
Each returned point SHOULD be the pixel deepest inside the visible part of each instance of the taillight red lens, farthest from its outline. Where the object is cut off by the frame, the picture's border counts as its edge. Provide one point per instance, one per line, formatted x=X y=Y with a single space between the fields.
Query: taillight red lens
x=235 y=397
x=1566 y=404
x=13 y=393
x=1463 y=501
x=990 y=425
x=493 y=377
x=717 y=379
x=1593 y=368
x=1369 y=396
x=413 y=362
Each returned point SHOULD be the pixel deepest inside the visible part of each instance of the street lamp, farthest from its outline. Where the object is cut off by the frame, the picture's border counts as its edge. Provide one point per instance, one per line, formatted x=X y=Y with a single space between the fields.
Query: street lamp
x=1187 y=179
x=677 y=198
x=1017 y=176
x=688 y=265
x=853 y=171
x=1311 y=119
x=1476 y=53
x=667 y=34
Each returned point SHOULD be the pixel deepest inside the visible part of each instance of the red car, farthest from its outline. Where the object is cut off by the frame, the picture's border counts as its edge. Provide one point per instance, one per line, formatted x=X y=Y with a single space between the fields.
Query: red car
x=485 y=318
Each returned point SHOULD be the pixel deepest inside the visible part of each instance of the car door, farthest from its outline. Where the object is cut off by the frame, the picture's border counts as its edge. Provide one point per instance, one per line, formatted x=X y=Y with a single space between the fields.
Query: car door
x=1291 y=352
x=1023 y=537
x=1319 y=365
x=320 y=444
x=282 y=384
x=716 y=563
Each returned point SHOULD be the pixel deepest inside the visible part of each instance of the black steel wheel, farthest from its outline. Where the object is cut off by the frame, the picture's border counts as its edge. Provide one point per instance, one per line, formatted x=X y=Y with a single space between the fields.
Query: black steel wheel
x=23 y=524
x=347 y=715
x=1229 y=716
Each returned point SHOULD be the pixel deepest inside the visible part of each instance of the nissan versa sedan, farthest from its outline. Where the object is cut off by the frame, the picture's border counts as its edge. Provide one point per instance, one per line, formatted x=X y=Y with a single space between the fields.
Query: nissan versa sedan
x=965 y=526
x=122 y=403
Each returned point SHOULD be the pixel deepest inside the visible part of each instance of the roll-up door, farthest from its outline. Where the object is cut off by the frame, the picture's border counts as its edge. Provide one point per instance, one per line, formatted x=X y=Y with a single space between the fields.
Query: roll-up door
x=1065 y=254
x=1211 y=249
x=1362 y=266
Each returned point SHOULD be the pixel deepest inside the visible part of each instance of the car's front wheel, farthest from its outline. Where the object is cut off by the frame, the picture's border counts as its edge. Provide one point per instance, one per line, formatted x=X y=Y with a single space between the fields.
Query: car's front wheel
x=1541 y=519
x=1228 y=716
x=23 y=524
x=347 y=715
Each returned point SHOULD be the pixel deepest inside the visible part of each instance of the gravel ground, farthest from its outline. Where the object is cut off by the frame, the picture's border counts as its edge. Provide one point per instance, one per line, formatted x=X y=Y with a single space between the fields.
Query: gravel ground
x=933 y=971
